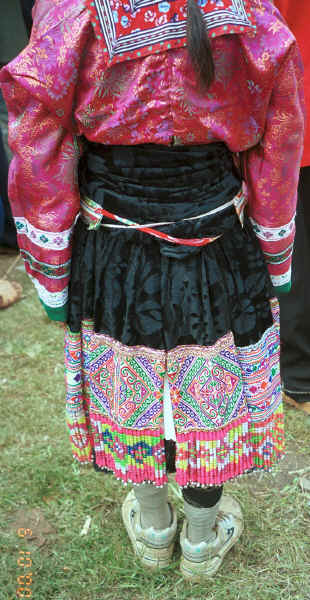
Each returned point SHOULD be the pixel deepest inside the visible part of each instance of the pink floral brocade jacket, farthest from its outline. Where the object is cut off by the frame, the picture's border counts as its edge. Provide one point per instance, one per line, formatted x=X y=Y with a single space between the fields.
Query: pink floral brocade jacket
x=67 y=84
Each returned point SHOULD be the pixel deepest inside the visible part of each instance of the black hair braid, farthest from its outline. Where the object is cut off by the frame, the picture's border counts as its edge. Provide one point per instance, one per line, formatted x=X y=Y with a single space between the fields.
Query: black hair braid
x=199 y=46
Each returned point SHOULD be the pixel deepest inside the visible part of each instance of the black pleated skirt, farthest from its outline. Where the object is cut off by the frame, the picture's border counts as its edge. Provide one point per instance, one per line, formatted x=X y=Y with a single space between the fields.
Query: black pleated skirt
x=144 y=291
x=144 y=312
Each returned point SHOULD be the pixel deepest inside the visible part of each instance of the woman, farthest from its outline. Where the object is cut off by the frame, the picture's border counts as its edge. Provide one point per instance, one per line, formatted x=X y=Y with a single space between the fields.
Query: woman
x=172 y=327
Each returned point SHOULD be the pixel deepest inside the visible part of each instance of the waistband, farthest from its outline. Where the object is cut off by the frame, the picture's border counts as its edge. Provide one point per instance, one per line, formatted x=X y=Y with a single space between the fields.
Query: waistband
x=92 y=214
x=149 y=183
x=215 y=159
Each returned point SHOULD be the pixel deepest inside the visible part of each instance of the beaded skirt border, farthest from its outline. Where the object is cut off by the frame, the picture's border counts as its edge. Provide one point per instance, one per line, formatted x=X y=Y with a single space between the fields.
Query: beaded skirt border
x=226 y=402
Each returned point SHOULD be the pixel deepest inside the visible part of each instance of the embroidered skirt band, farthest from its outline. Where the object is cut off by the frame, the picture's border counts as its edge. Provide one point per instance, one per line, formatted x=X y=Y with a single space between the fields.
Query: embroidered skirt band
x=190 y=317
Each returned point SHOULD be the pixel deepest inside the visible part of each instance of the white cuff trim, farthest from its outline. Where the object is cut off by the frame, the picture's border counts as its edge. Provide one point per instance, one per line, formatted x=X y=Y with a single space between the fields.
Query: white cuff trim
x=273 y=234
x=44 y=239
x=278 y=280
x=51 y=299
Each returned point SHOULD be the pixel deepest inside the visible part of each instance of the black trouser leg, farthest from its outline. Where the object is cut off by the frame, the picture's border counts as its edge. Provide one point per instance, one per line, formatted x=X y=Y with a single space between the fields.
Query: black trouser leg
x=202 y=497
x=295 y=306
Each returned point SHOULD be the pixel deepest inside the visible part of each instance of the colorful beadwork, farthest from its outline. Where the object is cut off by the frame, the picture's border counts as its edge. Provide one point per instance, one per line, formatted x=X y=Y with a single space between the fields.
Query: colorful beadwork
x=226 y=404
x=214 y=457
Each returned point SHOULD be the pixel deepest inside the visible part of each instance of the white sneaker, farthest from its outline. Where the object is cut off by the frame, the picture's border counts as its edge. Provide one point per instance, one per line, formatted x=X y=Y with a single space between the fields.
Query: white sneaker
x=154 y=547
x=202 y=560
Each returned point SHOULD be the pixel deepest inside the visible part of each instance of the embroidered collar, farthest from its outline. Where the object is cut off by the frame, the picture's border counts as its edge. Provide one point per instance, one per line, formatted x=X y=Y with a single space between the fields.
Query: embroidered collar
x=133 y=28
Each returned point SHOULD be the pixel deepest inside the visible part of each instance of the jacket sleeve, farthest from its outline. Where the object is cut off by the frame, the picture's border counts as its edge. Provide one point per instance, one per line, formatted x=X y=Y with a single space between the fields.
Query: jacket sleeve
x=272 y=171
x=39 y=89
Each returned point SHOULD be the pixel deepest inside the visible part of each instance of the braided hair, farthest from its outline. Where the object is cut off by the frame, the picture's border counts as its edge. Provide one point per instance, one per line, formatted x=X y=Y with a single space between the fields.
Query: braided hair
x=199 y=46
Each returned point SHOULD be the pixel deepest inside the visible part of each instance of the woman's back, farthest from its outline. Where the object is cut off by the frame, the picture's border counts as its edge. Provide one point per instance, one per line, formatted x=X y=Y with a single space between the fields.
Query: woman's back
x=72 y=80
x=154 y=97
x=172 y=338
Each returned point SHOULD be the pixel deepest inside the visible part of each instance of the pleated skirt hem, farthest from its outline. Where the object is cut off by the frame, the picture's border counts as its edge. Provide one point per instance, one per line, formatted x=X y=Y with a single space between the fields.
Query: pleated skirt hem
x=226 y=403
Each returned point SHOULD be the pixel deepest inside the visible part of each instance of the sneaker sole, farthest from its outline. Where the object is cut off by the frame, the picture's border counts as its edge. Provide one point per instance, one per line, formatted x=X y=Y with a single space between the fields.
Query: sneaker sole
x=153 y=558
x=205 y=569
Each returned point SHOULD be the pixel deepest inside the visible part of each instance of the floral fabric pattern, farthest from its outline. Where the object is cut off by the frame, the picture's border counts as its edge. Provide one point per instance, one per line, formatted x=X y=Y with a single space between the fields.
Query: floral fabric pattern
x=63 y=86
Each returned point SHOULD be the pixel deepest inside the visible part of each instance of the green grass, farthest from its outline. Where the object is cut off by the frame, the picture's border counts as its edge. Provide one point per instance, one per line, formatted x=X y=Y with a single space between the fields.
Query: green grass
x=43 y=489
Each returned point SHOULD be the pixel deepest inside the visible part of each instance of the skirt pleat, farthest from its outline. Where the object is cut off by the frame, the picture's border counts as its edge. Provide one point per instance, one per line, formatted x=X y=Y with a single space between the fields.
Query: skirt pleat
x=142 y=310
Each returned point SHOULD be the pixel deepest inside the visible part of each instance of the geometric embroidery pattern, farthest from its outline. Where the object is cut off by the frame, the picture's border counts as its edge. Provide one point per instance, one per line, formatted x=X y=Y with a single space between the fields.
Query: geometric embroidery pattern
x=77 y=399
x=42 y=238
x=206 y=392
x=226 y=405
x=260 y=364
x=141 y=27
x=126 y=384
x=273 y=234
